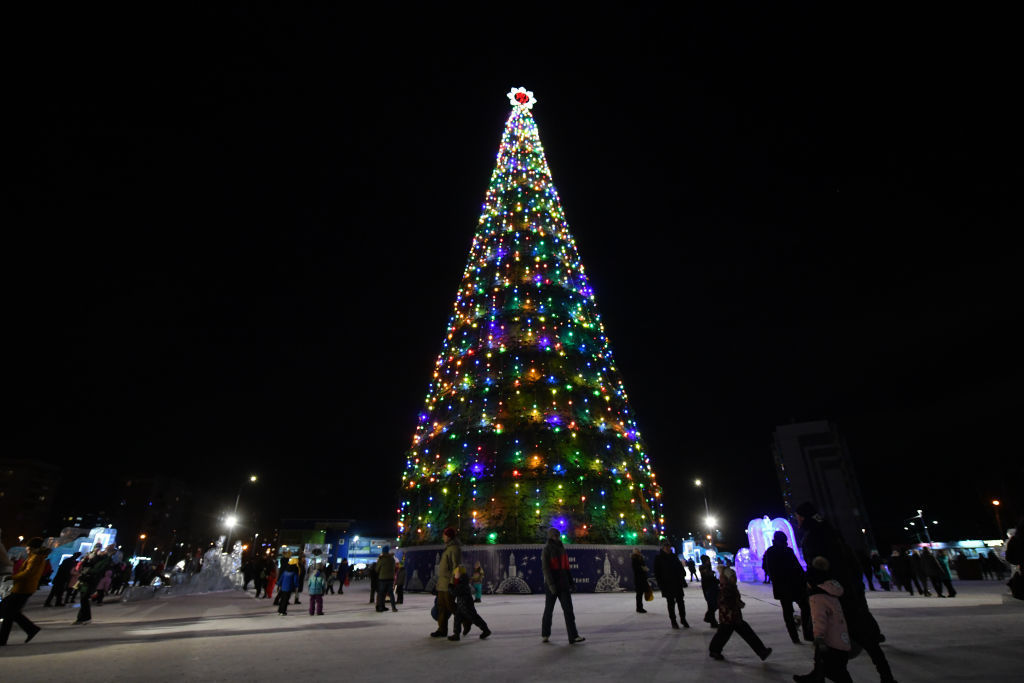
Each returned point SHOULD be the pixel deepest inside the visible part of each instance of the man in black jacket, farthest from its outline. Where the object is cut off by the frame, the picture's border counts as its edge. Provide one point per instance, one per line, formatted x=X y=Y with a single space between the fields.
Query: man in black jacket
x=821 y=540
x=554 y=562
x=60 y=580
x=669 y=573
x=788 y=585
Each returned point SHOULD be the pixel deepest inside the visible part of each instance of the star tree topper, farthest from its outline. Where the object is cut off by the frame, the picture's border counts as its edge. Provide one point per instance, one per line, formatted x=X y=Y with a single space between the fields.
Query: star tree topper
x=521 y=97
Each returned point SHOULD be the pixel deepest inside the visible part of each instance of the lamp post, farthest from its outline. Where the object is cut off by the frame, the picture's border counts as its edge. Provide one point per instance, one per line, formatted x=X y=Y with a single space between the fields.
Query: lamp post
x=708 y=519
x=924 y=525
x=233 y=519
x=999 y=523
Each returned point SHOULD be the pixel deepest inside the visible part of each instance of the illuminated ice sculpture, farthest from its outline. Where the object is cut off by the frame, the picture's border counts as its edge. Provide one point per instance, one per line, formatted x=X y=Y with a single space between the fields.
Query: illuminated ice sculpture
x=760 y=534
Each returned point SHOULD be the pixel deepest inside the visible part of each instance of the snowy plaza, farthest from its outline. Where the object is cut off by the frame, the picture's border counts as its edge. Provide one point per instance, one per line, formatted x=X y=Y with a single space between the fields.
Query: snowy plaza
x=229 y=636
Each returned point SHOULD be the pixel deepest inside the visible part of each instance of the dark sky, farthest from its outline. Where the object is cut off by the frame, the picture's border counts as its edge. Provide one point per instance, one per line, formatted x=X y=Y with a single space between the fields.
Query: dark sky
x=235 y=238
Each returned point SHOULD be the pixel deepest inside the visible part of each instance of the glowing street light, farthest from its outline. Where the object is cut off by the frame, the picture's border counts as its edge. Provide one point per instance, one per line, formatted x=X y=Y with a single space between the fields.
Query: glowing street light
x=710 y=519
x=234 y=514
x=231 y=521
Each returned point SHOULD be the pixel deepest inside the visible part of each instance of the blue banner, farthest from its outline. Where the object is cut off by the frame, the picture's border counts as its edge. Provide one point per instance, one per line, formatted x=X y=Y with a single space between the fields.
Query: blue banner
x=510 y=569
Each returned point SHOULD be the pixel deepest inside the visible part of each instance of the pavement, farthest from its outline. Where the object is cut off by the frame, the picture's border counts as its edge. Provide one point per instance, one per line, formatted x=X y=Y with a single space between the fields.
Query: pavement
x=230 y=636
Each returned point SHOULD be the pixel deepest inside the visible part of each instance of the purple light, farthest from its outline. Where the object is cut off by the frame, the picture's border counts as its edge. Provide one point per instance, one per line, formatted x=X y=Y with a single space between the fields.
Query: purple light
x=477 y=468
x=560 y=523
x=545 y=342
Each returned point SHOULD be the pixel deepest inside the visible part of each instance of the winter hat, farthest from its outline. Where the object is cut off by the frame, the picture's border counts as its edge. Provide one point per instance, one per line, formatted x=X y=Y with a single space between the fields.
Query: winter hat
x=780 y=538
x=386 y=549
x=818 y=573
x=806 y=509
x=449 y=532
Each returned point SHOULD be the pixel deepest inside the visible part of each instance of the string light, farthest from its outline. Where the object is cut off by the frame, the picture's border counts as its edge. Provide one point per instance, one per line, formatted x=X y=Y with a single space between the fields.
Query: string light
x=525 y=387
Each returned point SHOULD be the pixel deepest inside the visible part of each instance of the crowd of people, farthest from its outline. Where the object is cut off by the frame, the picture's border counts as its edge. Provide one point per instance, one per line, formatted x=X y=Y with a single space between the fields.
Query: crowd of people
x=830 y=594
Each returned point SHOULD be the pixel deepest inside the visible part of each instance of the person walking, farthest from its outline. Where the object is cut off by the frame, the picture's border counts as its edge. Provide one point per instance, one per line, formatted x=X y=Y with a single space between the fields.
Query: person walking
x=899 y=580
x=272 y=573
x=328 y=577
x=302 y=574
x=343 y=573
x=918 y=574
x=287 y=582
x=400 y=582
x=315 y=583
x=386 y=579
x=820 y=539
x=788 y=585
x=710 y=588
x=478 y=581
x=450 y=559
x=996 y=565
x=93 y=569
x=880 y=572
x=60 y=580
x=945 y=573
x=933 y=571
x=730 y=616
x=692 y=566
x=259 y=573
x=25 y=583
x=671 y=578
x=831 y=638
x=640 y=584
x=371 y=571
x=465 y=610
x=103 y=585
x=558 y=581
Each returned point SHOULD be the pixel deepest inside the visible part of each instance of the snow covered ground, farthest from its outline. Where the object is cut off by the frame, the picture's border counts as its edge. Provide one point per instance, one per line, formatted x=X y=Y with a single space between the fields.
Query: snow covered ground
x=230 y=636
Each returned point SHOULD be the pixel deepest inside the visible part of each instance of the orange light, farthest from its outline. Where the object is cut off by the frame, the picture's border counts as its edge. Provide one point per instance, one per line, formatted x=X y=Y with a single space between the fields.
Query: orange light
x=996 y=503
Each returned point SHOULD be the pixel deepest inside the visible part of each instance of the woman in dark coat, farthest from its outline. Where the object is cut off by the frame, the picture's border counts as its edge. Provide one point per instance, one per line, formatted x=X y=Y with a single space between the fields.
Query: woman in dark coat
x=788 y=585
x=639 y=579
x=932 y=570
x=709 y=586
x=671 y=578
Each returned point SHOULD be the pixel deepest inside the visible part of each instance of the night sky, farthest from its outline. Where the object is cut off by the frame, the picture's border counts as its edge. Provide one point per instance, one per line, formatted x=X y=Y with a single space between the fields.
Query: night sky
x=234 y=238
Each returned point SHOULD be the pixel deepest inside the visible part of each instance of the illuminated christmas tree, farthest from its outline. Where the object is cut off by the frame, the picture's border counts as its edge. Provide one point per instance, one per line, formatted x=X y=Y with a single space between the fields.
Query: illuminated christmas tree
x=526 y=424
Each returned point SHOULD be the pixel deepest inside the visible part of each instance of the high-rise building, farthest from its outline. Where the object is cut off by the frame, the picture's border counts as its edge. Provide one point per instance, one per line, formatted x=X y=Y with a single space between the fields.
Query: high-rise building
x=27 y=488
x=813 y=463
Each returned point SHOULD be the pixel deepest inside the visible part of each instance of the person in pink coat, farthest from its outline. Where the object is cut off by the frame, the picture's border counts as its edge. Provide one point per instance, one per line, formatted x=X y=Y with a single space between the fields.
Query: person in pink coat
x=831 y=639
x=103 y=585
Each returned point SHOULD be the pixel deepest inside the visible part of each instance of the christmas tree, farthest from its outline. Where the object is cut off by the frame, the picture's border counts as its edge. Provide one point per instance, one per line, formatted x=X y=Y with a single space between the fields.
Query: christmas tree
x=526 y=423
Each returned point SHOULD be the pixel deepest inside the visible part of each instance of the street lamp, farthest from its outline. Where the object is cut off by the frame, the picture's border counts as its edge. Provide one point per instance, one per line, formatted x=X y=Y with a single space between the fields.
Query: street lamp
x=708 y=519
x=924 y=525
x=999 y=523
x=233 y=519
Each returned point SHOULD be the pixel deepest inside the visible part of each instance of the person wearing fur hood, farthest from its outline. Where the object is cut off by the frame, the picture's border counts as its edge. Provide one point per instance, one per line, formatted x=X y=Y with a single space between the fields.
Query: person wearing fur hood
x=831 y=639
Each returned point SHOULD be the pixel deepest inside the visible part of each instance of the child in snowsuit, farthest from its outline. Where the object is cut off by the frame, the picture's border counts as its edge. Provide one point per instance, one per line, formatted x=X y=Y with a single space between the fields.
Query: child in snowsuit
x=731 y=618
x=315 y=584
x=465 y=610
x=831 y=640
